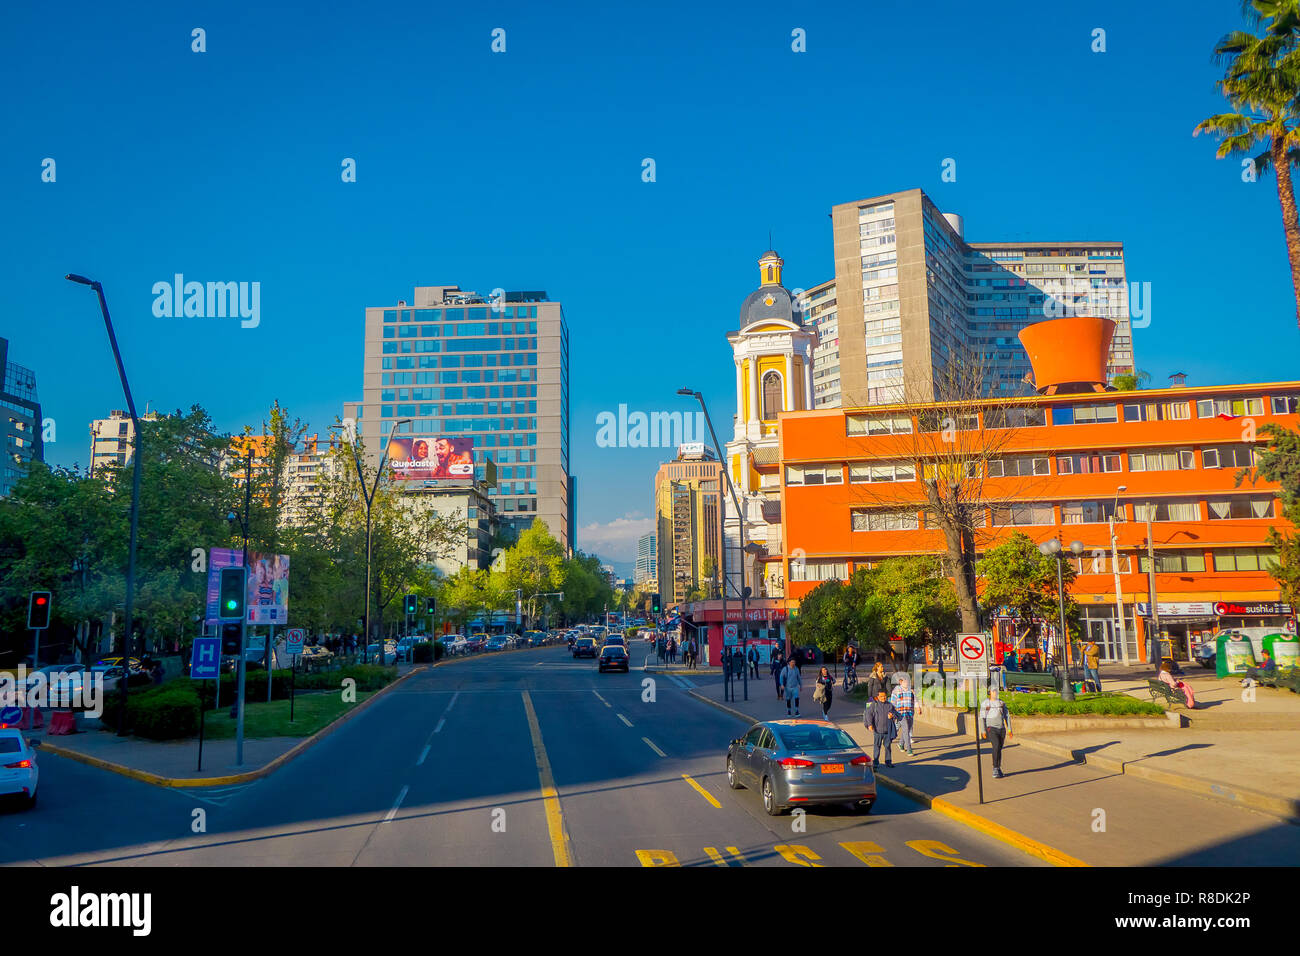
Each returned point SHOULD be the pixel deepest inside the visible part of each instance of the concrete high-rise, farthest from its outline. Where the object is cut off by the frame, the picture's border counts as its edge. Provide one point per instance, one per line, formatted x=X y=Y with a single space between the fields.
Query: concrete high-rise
x=489 y=374
x=647 y=561
x=687 y=520
x=22 y=421
x=910 y=292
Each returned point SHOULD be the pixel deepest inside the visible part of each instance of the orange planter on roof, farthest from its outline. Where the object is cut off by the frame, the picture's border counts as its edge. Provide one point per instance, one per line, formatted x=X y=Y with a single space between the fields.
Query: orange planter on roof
x=1069 y=354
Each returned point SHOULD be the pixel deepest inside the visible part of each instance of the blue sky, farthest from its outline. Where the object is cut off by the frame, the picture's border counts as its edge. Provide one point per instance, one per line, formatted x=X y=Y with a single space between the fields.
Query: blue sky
x=522 y=170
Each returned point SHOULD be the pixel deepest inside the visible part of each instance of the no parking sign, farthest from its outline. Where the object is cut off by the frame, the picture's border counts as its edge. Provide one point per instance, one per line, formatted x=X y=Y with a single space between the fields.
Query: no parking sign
x=293 y=639
x=973 y=655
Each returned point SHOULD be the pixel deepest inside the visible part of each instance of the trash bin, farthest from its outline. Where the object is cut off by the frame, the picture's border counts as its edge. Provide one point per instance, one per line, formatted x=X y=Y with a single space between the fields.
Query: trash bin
x=1232 y=656
x=1284 y=649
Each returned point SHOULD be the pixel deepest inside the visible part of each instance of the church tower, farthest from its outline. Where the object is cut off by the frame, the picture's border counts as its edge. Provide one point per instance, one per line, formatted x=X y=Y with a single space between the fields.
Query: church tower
x=772 y=352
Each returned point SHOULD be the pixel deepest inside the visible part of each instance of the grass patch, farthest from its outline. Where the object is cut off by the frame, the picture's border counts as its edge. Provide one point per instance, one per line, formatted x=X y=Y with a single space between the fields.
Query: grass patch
x=311 y=712
x=1101 y=705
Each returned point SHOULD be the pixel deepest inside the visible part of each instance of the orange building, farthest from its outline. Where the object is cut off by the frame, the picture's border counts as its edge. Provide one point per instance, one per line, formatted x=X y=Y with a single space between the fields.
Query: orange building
x=1061 y=465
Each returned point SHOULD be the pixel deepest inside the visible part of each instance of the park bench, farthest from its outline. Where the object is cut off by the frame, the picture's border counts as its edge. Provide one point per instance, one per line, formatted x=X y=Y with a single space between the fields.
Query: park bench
x=1171 y=695
x=1262 y=677
x=1031 y=680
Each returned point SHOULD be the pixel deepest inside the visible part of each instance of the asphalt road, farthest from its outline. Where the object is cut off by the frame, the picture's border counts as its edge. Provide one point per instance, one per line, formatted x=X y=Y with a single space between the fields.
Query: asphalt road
x=525 y=758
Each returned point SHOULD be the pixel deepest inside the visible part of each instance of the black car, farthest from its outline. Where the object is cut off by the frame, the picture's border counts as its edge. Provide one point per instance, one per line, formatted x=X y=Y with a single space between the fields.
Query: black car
x=613 y=657
x=584 y=647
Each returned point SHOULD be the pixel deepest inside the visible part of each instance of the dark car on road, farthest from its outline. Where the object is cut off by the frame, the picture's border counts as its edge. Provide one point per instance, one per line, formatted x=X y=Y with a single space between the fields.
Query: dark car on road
x=801 y=762
x=584 y=647
x=613 y=657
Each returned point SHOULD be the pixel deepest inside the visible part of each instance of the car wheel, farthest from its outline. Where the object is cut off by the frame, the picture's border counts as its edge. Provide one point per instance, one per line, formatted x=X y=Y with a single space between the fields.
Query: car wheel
x=865 y=806
x=769 y=799
x=732 y=780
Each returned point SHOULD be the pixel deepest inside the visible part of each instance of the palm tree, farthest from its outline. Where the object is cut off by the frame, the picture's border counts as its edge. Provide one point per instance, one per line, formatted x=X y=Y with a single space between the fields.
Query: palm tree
x=1262 y=85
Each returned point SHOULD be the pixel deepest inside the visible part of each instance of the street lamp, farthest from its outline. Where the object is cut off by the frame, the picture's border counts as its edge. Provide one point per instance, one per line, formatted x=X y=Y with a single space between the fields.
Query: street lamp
x=370 y=498
x=1052 y=549
x=740 y=520
x=135 y=493
x=1114 y=564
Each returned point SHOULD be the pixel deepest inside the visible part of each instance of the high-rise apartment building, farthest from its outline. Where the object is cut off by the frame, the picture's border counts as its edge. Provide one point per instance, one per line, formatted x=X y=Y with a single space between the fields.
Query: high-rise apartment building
x=688 y=531
x=22 y=421
x=910 y=292
x=112 y=438
x=647 y=561
x=474 y=380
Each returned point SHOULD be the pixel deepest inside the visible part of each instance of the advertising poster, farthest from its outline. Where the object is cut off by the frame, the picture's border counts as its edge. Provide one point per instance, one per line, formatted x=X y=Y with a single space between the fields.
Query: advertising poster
x=219 y=558
x=412 y=459
x=268 y=584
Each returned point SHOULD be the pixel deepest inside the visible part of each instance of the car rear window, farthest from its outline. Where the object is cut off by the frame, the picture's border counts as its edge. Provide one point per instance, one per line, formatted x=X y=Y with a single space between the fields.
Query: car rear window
x=10 y=745
x=613 y=651
x=815 y=738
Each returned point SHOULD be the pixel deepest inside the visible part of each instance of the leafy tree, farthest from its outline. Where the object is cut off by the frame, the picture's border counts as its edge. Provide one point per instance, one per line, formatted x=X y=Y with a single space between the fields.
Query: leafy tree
x=1280 y=462
x=534 y=565
x=917 y=603
x=1131 y=381
x=1020 y=577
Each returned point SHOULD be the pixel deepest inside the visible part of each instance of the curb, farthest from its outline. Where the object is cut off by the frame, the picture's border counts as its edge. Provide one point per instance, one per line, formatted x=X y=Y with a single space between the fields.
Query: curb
x=1286 y=808
x=204 y=782
x=960 y=814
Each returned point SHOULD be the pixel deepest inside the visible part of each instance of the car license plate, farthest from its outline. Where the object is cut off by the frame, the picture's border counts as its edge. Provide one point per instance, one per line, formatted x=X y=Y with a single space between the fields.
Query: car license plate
x=832 y=768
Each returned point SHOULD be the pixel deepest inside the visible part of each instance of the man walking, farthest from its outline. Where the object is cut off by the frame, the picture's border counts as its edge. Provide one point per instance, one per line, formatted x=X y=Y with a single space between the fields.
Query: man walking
x=904 y=701
x=753 y=662
x=879 y=717
x=792 y=682
x=995 y=725
x=1092 y=665
x=777 y=668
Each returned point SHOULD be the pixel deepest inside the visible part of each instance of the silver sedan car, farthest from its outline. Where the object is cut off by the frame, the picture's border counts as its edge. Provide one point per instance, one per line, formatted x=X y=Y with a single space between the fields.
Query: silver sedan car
x=798 y=762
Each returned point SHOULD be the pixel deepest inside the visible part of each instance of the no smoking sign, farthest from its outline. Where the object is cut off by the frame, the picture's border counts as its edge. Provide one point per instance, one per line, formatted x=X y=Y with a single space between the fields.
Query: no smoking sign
x=972 y=647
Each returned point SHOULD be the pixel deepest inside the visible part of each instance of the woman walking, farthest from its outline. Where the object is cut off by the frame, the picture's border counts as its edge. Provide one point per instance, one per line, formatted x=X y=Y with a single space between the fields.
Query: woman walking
x=778 y=671
x=824 y=692
x=876 y=681
x=792 y=687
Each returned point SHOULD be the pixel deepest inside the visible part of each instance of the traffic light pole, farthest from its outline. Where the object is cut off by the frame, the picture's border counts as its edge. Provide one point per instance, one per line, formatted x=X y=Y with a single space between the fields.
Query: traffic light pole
x=243 y=618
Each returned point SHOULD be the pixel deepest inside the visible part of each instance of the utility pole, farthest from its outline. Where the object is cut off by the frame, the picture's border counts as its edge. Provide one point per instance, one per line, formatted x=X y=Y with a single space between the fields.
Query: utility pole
x=1154 y=655
x=1119 y=591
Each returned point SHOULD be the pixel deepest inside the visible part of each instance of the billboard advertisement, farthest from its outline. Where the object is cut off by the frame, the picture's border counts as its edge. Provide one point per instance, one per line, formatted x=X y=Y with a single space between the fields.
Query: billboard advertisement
x=411 y=459
x=267 y=599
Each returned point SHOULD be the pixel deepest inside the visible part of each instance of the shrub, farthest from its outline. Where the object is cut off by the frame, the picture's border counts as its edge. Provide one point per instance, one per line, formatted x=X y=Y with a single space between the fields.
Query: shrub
x=169 y=712
x=1104 y=705
x=367 y=676
x=425 y=652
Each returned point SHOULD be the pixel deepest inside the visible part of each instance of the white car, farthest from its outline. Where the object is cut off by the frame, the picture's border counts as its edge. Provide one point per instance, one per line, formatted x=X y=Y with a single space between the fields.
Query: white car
x=18 y=771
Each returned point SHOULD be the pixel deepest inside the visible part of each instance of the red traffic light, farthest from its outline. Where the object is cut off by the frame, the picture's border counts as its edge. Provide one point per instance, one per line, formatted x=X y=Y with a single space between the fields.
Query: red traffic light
x=40 y=601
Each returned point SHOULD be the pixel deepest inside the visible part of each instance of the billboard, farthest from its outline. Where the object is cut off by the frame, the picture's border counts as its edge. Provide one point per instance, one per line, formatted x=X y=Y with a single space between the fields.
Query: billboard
x=268 y=584
x=411 y=459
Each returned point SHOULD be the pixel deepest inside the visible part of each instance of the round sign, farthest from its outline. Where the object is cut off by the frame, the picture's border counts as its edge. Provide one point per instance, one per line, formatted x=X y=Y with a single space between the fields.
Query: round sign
x=11 y=715
x=972 y=647
x=1220 y=609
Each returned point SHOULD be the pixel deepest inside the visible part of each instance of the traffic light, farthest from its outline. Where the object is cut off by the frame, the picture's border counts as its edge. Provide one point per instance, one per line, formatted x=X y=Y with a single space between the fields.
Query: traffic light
x=232 y=594
x=411 y=609
x=654 y=603
x=231 y=638
x=38 y=610
x=431 y=606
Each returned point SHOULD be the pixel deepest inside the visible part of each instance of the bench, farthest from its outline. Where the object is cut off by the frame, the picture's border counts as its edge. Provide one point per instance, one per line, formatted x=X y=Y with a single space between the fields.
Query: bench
x=1030 y=680
x=1262 y=677
x=1171 y=695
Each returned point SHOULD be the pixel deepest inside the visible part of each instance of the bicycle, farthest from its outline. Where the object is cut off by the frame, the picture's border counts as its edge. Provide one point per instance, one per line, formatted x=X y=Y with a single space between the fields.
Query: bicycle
x=850 y=677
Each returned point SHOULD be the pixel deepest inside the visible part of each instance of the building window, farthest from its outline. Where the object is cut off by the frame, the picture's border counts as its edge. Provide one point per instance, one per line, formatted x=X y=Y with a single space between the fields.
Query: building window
x=1155 y=412
x=1228 y=456
x=1015 y=467
x=1083 y=414
x=1019 y=417
x=892 y=471
x=1245 y=559
x=879 y=425
x=1090 y=512
x=1172 y=460
x=1099 y=562
x=1021 y=514
x=1175 y=563
x=1240 y=507
x=942 y=420
x=1285 y=404
x=819 y=571
x=814 y=475
x=1230 y=407
x=771 y=395
x=880 y=520
x=1167 y=511
x=1088 y=463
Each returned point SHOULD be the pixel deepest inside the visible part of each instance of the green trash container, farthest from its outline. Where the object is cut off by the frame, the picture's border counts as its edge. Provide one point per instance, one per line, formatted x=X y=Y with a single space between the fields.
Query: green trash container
x=1284 y=649
x=1232 y=656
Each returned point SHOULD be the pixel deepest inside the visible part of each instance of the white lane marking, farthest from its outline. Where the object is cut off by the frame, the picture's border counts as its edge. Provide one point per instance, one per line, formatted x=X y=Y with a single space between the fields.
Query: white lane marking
x=423 y=753
x=625 y=720
x=650 y=743
x=689 y=683
x=441 y=721
x=602 y=699
x=451 y=703
x=400 y=797
x=676 y=680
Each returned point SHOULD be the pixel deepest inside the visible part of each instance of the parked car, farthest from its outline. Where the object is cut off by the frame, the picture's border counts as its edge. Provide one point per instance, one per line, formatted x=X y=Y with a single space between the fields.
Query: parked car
x=455 y=643
x=372 y=654
x=19 y=773
x=801 y=762
x=1205 y=654
x=315 y=654
x=613 y=657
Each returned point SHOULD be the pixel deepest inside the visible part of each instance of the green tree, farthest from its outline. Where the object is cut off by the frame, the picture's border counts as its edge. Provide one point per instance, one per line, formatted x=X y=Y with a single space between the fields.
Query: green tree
x=1261 y=83
x=534 y=566
x=917 y=602
x=1280 y=462
x=1131 y=381
x=1020 y=577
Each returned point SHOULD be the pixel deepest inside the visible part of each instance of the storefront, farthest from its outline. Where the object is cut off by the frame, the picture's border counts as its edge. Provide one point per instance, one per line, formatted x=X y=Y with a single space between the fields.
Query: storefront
x=1257 y=614
x=763 y=624
x=1185 y=624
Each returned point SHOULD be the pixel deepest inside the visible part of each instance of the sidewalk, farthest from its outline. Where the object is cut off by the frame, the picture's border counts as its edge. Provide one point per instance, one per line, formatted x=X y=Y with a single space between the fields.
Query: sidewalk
x=1047 y=801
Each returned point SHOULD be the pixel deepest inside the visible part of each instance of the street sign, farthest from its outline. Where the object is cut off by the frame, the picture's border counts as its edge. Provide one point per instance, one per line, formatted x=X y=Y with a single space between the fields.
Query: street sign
x=972 y=655
x=205 y=658
x=293 y=639
x=9 y=716
x=730 y=634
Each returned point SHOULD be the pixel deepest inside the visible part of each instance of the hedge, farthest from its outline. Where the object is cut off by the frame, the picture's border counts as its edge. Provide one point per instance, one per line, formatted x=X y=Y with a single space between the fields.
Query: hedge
x=428 y=651
x=1106 y=705
x=169 y=712
x=367 y=676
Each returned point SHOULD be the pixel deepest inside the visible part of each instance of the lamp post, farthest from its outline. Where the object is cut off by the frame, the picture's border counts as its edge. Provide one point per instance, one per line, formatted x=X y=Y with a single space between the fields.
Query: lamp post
x=135 y=493
x=370 y=498
x=243 y=625
x=1052 y=549
x=740 y=520
x=1119 y=592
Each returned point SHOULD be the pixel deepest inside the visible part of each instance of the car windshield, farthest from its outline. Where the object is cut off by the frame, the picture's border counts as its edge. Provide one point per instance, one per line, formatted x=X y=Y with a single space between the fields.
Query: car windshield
x=814 y=738
x=10 y=745
x=612 y=652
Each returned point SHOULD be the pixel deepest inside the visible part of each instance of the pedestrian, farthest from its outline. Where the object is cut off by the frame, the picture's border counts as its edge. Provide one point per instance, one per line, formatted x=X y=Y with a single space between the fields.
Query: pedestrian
x=777 y=668
x=1092 y=664
x=995 y=726
x=792 y=682
x=753 y=662
x=879 y=717
x=824 y=692
x=876 y=681
x=904 y=700
x=1166 y=675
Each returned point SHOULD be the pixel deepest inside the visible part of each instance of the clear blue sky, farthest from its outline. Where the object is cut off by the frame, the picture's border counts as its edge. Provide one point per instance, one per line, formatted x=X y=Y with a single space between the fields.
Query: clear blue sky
x=522 y=170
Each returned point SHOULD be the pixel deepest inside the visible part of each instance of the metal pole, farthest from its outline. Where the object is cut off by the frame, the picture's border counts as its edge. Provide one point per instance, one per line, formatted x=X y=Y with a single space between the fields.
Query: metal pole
x=203 y=716
x=243 y=624
x=1155 y=656
x=1119 y=595
x=1067 y=688
x=979 y=757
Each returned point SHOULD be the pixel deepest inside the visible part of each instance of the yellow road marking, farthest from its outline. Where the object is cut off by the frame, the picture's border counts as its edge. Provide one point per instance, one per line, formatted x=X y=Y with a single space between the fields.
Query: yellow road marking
x=550 y=796
x=735 y=851
x=657 y=858
x=868 y=852
x=650 y=743
x=704 y=793
x=939 y=851
x=715 y=856
x=798 y=853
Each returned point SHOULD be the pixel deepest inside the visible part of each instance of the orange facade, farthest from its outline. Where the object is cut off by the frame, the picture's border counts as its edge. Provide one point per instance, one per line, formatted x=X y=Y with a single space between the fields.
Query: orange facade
x=1177 y=452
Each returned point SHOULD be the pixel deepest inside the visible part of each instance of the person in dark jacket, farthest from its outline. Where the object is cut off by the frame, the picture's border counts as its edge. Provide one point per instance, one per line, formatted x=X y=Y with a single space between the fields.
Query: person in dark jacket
x=876 y=681
x=777 y=668
x=826 y=683
x=879 y=717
